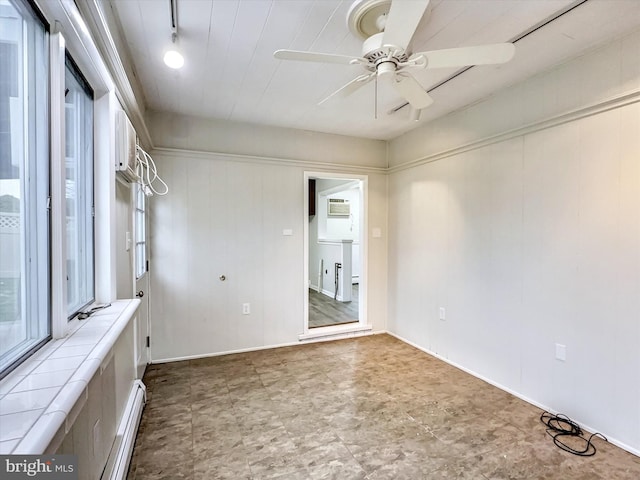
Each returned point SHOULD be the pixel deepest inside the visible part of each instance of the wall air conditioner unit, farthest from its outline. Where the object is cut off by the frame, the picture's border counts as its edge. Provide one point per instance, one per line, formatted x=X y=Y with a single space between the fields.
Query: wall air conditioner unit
x=125 y=149
x=338 y=207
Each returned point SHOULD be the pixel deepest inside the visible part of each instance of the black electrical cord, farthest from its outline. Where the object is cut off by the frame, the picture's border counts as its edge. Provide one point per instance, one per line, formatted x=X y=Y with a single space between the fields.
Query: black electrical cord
x=560 y=426
x=338 y=266
x=88 y=313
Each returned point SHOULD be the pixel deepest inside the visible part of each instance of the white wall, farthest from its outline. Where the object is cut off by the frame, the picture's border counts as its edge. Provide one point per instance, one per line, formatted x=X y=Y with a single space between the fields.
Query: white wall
x=344 y=228
x=226 y=216
x=124 y=257
x=206 y=135
x=588 y=80
x=530 y=240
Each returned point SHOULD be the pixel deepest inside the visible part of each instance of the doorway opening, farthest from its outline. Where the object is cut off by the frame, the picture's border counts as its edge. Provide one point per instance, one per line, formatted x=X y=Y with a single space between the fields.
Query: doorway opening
x=335 y=253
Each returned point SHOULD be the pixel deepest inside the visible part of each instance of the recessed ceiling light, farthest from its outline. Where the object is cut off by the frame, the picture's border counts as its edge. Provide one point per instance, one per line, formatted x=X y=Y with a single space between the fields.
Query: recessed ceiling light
x=173 y=59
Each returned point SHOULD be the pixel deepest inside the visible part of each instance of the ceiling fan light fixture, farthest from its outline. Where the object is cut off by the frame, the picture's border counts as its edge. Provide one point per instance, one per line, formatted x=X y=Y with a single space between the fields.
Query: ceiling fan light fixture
x=386 y=68
x=173 y=59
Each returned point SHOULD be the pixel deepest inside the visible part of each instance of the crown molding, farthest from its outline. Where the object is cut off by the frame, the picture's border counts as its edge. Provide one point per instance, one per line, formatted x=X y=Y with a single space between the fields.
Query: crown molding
x=96 y=22
x=603 y=106
x=321 y=166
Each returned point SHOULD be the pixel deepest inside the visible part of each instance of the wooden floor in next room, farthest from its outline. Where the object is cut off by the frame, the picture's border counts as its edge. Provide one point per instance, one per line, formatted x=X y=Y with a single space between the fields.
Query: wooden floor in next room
x=325 y=311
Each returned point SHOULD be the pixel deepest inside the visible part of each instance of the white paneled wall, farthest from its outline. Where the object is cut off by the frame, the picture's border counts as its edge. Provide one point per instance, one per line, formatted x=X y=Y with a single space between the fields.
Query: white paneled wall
x=226 y=217
x=527 y=243
x=244 y=139
x=124 y=252
x=609 y=71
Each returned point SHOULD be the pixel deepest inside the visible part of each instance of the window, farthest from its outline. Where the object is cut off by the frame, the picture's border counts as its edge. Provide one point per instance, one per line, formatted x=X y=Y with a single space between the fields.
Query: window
x=140 y=231
x=24 y=183
x=79 y=189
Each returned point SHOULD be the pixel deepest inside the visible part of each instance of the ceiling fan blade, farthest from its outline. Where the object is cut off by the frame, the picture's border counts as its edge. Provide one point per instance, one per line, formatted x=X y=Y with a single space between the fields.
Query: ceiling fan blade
x=317 y=57
x=412 y=91
x=464 y=56
x=402 y=21
x=351 y=87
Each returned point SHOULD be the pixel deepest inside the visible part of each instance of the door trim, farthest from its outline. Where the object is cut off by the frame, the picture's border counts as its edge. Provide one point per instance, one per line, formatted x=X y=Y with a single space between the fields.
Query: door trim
x=363 y=323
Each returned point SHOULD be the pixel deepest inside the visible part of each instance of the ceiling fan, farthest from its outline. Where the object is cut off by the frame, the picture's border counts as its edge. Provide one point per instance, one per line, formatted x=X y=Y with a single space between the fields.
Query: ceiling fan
x=388 y=27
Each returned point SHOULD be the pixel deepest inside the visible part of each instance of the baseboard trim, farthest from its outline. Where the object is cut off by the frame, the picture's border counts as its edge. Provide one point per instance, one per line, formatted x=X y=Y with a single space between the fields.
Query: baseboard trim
x=337 y=332
x=219 y=354
x=611 y=440
x=330 y=295
x=122 y=450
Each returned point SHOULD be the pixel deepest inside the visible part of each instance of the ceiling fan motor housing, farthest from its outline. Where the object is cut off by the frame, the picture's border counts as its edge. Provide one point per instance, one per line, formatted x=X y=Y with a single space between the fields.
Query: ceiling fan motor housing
x=379 y=54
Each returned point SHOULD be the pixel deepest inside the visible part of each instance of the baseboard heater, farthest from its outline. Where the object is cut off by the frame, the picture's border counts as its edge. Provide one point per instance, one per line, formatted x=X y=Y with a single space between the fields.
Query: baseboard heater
x=120 y=457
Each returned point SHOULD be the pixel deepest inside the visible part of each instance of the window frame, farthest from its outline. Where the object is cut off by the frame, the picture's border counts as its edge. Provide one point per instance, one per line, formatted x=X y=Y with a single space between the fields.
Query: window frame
x=32 y=53
x=88 y=209
x=140 y=231
x=66 y=31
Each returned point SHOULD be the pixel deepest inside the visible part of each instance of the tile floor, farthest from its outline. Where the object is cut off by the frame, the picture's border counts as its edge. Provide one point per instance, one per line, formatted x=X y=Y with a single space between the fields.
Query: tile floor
x=365 y=408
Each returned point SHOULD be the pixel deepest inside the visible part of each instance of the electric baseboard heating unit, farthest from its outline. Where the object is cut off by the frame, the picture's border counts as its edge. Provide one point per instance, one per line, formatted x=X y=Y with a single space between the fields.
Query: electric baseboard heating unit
x=338 y=207
x=125 y=148
x=118 y=464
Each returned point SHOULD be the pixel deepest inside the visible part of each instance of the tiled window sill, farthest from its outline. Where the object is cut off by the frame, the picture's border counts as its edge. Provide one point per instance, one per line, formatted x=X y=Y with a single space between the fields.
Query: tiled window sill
x=50 y=387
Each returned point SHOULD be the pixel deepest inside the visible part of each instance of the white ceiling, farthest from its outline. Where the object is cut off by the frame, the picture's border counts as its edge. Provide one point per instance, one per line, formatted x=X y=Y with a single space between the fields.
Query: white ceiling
x=230 y=72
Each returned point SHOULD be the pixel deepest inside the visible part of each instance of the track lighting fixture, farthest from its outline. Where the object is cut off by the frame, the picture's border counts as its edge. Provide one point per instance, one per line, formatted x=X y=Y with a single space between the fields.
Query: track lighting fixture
x=172 y=57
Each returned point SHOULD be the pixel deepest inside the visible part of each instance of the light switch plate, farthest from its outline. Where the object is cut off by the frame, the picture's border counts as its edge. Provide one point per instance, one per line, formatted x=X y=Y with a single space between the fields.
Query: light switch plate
x=561 y=352
x=287 y=232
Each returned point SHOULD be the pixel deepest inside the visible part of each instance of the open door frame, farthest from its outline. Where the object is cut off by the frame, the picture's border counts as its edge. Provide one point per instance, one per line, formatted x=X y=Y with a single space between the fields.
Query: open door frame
x=363 y=323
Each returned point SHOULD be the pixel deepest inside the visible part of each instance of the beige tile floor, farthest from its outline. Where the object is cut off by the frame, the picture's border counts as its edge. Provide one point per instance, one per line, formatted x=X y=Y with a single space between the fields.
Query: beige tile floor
x=366 y=408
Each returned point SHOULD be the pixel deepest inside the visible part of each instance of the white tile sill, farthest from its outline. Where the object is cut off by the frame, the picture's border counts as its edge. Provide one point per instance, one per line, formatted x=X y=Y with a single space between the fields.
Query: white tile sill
x=335 y=331
x=48 y=390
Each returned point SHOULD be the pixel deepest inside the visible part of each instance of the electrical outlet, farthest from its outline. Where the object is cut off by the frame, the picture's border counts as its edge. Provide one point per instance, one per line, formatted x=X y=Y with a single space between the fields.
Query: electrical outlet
x=443 y=313
x=246 y=308
x=561 y=352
